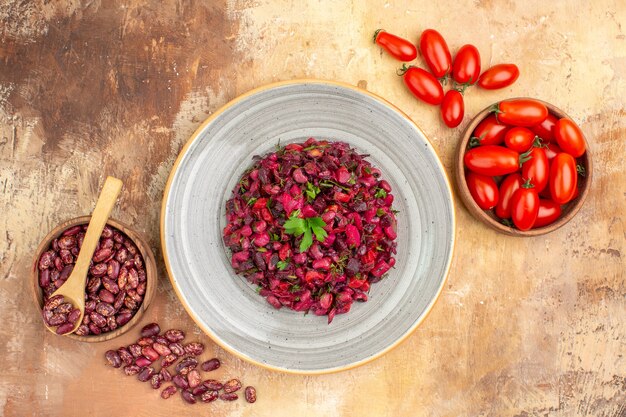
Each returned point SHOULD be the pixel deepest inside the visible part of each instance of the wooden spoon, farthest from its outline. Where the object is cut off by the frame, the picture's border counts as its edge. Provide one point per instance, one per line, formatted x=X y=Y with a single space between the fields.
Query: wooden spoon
x=74 y=288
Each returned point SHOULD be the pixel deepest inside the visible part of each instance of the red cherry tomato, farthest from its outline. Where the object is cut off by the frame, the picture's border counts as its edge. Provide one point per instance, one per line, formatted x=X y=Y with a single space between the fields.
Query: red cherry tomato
x=492 y=160
x=521 y=112
x=423 y=85
x=508 y=186
x=498 y=76
x=569 y=137
x=537 y=169
x=399 y=48
x=452 y=108
x=525 y=207
x=435 y=51
x=545 y=129
x=563 y=178
x=547 y=214
x=552 y=150
x=519 y=139
x=466 y=65
x=483 y=189
x=489 y=132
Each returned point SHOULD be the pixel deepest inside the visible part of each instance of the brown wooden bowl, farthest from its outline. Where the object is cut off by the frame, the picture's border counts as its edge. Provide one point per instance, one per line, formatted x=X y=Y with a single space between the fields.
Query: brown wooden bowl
x=488 y=217
x=149 y=262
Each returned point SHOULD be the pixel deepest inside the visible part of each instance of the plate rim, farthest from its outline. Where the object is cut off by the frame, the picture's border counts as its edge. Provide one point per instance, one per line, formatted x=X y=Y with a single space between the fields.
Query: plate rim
x=214 y=337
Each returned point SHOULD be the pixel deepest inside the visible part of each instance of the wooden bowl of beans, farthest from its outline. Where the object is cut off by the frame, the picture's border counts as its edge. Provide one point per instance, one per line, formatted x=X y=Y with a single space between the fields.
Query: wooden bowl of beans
x=120 y=284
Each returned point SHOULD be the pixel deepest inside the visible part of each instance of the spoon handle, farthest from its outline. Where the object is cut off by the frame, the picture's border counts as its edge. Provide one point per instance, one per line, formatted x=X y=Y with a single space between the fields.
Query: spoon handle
x=104 y=206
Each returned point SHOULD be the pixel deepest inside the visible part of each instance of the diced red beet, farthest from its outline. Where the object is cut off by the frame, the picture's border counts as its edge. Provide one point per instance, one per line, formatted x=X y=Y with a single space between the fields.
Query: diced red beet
x=261 y=239
x=353 y=237
x=308 y=211
x=342 y=175
x=299 y=176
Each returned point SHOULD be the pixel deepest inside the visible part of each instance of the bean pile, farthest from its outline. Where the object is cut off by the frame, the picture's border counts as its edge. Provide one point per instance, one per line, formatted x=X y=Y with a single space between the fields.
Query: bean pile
x=116 y=281
x=60 y=314
x=141 y=357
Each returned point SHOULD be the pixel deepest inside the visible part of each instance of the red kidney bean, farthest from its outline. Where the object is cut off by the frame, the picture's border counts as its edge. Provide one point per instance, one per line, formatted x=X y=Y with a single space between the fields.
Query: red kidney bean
x=152 y=329
x=98 y=270
x=168 y=392
x=101 y=254
x=209 y=396
x=135 y=297
x=210 y=365
x=132 y=249
x=141 y=288
x=110 y=285
x=113 y=358
x=130 y=303
x=67 y=242
x=142 y=361
x=160 y=339
x=64 y=308
x=44 y=278
x=161 y=349
x=180 y=381
x=174 y=335
x=165 y=375
x=142 y=276
x=145 y=374
x=58 y=264
x=55 y=319
x=131 y=370
x=133 y=278
x=64 y=328
x=53 y=302
x=122 y=278
x=232 y=386
x=90 y=306
x=73 y=316
x=113 y=269
x=213 y=384
x=138 y=261
x=66 y=256
x=93 y=329
x=188 y=396
x=228 y=396
x=168 y=360
x=119 y=300
x=199 y=390
x=46 y=260
x=105 y=309
x=97 y=318
x=111 y=323
x=125 y=356
x=250 y=393
x=194 y=348
x=193 y=377
x=150 y=353
x=83 y=330
x=122 y=255
x=107 y=243
x=145 y=341
x=156 y=380
x=135 y=350
x=65 y=273
x=186 y=365
x=123 y=318
x=72 y=231
x=177 y=348
x=93 y=284
x=106 y=296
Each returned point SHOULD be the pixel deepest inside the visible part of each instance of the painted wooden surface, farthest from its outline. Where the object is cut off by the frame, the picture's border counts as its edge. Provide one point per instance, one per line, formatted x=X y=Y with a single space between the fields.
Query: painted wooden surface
x=524 y=327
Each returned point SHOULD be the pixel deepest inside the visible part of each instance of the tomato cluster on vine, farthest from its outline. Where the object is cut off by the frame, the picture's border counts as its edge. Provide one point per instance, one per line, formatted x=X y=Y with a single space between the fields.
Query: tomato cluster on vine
x=464 y=71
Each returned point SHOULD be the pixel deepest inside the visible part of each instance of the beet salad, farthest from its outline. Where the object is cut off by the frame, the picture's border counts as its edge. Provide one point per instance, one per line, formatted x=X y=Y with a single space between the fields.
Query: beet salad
x=312 y=225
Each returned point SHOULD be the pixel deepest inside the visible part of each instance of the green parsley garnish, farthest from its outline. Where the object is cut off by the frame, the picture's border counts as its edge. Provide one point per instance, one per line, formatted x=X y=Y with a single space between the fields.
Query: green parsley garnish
x=311 y=191
x=305 y=228
x=282 y=264
x=380 y=193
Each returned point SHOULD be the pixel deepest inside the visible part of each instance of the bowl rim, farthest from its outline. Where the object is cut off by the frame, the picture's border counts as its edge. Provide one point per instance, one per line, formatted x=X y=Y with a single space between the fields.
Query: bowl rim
x=149 y=261
x=481 y=214
x=184 y=151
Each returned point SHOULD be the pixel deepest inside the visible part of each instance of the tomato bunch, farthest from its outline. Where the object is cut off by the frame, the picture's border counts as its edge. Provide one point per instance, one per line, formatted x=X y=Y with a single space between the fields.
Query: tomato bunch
x=463 y=70
x=522 y=163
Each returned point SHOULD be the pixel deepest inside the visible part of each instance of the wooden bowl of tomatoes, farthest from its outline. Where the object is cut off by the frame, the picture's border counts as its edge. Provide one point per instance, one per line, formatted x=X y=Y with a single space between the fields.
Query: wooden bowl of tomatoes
x=523 y=167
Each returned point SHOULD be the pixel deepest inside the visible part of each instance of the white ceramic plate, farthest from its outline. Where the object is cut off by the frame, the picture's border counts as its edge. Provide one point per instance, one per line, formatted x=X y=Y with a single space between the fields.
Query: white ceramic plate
x=226 y=306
